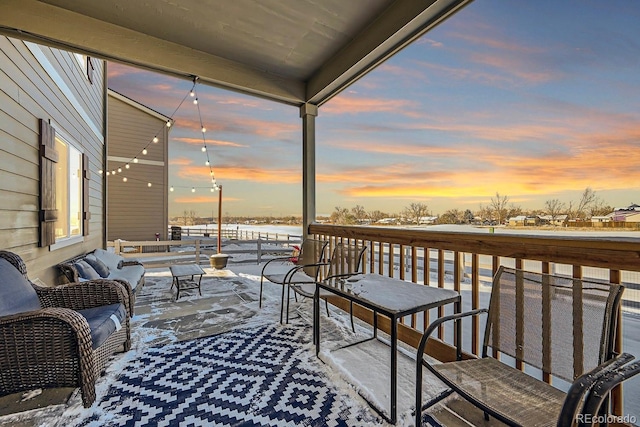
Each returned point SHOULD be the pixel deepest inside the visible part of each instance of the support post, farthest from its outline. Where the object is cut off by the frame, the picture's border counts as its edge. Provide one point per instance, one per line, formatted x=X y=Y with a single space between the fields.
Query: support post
x=308 y=113
x=220 y=219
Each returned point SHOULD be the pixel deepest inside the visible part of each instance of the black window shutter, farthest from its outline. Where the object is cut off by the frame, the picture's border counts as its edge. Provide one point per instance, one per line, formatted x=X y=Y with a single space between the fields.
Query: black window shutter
x=86 y=215
x=48 y=160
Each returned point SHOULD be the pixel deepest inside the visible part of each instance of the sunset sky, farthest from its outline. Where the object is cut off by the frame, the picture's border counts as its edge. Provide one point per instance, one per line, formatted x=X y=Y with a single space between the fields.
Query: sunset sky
x=534 y=100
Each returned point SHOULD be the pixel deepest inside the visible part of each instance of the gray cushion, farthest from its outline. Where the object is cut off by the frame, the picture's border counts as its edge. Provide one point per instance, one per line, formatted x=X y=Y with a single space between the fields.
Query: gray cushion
x=130 y=273
x=86 y=271
x=99 y=266
x=16 y=293
x=110 y=259
x=103 y=321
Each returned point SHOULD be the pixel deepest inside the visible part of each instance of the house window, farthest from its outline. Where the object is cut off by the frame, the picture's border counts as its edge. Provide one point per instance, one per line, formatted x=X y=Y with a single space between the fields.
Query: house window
x=68 y=191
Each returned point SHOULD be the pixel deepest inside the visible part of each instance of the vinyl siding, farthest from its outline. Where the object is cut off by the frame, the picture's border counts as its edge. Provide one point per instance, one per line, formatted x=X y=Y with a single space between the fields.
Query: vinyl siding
x=136 y=211
x=28 y=92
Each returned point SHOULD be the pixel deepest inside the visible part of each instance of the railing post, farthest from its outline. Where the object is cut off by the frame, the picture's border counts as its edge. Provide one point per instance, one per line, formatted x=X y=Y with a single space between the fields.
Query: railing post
x=198 y=251
x=116 y=246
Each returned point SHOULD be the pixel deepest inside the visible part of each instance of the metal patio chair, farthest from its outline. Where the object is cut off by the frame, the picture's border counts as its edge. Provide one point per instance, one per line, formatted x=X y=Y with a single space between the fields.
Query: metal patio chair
x=302 y=268
x=560 y=326
x=346 y=260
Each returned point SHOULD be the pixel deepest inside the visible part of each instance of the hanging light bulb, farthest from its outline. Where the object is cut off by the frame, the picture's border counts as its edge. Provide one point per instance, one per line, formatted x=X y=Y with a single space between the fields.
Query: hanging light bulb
x=204 y=129
x=193 y=189
x=212 y=189
x=148 y=184
x=192 y=93
x=113 y=172
x=195 y=101
x=171 y=189
x=124 y=179
x=108 y=173
x=169 y=123
x=100 y=172
x=204 y=149
x=119 y=170
x=127 y=166
x=155 y=139
x=135 y=160
x=207 y=163
x=144 y=151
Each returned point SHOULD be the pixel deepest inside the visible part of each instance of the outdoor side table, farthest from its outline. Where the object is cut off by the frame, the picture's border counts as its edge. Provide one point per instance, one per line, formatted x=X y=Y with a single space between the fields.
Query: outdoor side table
x=184 y=277
x=393 y=298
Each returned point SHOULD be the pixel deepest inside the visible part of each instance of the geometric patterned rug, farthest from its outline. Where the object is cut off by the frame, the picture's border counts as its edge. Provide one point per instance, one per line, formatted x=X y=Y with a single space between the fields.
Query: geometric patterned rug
x=261 y=376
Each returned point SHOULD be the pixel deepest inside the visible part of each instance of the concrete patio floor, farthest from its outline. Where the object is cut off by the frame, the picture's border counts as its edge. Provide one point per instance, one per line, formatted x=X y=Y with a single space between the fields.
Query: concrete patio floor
x=228 y=303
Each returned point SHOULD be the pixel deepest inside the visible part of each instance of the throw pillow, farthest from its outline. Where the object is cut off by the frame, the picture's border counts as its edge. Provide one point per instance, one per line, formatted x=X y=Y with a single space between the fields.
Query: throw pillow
x=86 y=271
x=110 y=259
x=99 y=266
x=16 y=293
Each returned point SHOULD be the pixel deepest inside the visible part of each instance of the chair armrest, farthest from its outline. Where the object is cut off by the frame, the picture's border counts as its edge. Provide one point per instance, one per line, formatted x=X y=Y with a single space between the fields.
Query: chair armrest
x=272 y=260
x=83 y=295
x=615 y=372
x=294 y=270
x=131 y=262
x=584 y=383
x=61 y=331
x=434 y=325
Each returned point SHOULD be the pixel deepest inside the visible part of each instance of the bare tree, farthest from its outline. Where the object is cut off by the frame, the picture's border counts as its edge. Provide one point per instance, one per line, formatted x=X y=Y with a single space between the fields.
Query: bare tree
x=342 y=216
x=377 y=215
x=359 y=213
x=586 y=201
x=452 y=216
x=554 y=209
x=499 y=207
x=415 y=211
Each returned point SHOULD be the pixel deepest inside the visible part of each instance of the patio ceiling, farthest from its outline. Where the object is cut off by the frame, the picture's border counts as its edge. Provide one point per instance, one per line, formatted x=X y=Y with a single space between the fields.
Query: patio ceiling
x=290 y=51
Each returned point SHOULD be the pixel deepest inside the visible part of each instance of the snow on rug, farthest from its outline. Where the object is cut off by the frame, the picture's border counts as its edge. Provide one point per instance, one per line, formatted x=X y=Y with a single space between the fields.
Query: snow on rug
x=260 y=376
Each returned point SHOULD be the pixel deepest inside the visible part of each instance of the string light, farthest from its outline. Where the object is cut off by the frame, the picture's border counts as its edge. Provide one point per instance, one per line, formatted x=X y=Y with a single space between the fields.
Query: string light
x=170 y=121
x=100 y=171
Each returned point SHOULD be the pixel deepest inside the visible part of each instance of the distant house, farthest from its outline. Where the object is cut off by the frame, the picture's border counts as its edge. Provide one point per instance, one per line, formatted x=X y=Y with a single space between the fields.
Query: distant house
x=388 y=221
x=532 y=221
x=52 y=146
x=558 y=220
x=628 y=214
x=517 y=221
x=428 y=219
x=136 y=211
x=601 y=219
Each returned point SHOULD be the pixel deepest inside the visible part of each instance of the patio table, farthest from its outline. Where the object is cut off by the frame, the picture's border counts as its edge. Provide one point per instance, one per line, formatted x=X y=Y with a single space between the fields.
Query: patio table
x=393 y=298
x=184 y=271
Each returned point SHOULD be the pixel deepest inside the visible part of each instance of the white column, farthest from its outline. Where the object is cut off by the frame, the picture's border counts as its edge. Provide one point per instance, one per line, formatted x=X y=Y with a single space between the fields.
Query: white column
x=308 y=113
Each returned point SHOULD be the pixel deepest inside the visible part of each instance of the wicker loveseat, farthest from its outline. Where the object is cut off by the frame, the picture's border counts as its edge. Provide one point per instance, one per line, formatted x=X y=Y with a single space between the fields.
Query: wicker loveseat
x=106 y=265
x=58 y=336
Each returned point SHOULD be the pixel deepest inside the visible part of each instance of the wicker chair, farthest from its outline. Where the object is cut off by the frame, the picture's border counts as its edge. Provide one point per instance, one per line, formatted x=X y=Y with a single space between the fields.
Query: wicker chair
x=284 y=271
x=559 y=327
x=47 y=340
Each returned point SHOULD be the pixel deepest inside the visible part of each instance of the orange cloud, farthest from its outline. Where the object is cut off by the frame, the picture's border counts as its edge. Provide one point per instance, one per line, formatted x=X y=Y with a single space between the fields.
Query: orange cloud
x=180 y=161
x=253 y=174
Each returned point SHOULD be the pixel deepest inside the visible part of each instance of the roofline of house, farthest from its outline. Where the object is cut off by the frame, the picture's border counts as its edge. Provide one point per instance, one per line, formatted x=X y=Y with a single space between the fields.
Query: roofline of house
x=137 y=105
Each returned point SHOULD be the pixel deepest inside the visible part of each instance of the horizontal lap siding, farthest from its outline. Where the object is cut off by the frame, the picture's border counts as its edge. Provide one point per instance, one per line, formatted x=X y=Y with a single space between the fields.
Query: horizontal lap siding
x=130 y=130
x=29 y=93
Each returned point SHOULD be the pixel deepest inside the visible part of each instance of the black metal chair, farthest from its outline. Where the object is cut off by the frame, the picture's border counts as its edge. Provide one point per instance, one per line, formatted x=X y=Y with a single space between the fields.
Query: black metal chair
x=561 y=326
x=346 y=260
x=302 y=268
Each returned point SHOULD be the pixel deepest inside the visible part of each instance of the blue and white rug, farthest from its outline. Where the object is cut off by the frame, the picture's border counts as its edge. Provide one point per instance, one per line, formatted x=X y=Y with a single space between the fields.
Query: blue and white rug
x=263 y=376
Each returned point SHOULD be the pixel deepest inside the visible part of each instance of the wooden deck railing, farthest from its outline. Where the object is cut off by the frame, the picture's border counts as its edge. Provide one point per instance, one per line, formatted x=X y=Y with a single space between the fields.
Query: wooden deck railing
x=472 y=258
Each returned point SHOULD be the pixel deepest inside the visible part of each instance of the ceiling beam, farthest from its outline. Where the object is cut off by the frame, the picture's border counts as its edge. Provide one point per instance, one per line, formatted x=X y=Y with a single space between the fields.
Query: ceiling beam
x=403 y=22
x=60 y=28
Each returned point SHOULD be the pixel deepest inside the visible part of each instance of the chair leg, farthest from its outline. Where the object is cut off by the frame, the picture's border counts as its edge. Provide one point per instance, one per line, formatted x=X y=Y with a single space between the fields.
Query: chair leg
x=260 y=300
x=353 y=328
x=326 y=306
x=282 y=303
x=288 y=299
